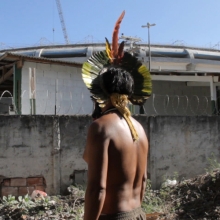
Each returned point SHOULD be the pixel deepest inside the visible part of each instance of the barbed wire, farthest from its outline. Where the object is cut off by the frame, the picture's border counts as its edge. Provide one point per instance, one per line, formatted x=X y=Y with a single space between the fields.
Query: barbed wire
x=68 y=104
x=182 y=105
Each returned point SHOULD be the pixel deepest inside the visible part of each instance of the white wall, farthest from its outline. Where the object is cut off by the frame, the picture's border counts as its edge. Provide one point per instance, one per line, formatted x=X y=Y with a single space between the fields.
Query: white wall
x=56 y=84
x=63 y=86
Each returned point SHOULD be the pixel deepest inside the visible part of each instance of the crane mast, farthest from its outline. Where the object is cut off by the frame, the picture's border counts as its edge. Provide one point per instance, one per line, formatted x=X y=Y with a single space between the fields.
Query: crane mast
x=62 y=21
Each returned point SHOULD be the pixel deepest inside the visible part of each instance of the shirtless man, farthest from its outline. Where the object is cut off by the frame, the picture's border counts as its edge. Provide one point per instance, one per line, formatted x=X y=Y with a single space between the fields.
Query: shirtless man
x=116 y=163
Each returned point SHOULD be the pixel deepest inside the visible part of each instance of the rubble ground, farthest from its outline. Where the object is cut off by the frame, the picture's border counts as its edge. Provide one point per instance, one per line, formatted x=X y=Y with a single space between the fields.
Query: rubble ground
x=195 y=198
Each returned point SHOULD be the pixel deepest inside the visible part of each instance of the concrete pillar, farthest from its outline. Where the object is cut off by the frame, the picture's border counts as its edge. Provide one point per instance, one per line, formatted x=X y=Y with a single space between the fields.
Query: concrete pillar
x=56 y=169
x=32 y=90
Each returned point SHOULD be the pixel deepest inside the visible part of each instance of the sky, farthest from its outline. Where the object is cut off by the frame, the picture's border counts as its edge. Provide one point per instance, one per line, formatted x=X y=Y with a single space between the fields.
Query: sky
x=27 y=23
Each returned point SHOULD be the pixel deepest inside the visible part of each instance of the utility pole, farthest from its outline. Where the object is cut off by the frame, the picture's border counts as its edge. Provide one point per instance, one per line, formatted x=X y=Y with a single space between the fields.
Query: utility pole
x=148 y=25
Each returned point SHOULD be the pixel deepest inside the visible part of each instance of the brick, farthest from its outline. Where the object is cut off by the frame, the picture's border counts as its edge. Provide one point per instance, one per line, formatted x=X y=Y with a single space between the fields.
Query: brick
x=8 y=190
x=41 y=188
x=24 y=190
x=18 y=182
x=6 y=182
x=35 y=181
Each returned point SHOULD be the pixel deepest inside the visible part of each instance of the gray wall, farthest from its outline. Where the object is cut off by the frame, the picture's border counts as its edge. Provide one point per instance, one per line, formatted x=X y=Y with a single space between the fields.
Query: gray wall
x=53 y=146
x=183 y=145
x=4 y=104
x=176 y=98
x=43 y=145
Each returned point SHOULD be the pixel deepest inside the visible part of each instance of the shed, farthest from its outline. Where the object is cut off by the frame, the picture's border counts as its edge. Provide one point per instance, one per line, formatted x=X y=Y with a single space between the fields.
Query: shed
x=33 y=85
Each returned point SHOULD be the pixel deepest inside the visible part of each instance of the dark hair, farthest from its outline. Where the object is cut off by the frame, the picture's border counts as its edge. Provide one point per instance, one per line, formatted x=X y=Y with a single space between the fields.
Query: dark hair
x=114 y=80
x=117 y=80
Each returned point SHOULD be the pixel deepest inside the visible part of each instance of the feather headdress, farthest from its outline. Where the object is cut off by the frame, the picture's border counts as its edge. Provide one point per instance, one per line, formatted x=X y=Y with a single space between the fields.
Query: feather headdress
x=114 y=55
x=98 y=64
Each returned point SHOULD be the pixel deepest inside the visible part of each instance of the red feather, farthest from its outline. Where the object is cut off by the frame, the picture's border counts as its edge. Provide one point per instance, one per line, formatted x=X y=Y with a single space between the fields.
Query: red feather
x=115 y=37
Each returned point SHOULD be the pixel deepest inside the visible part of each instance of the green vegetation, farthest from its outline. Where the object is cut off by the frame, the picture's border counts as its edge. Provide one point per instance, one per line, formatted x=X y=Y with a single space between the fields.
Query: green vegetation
x=196 y=198
x=213 y=164
x=50 y=207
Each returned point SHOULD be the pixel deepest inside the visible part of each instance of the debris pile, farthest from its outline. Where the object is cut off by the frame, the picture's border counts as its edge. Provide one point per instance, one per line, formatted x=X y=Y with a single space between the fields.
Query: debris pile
x=196 y=198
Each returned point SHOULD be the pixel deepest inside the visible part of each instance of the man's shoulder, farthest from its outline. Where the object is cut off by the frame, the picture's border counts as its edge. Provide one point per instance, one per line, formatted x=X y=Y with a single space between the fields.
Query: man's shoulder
x=140 y=129
x=104 y=124
x=136 y=123
x=99 y=124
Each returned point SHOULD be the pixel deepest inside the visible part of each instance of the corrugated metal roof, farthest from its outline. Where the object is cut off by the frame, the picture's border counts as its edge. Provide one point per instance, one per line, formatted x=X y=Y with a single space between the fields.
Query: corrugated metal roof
x=7 y=61
x=7 y=58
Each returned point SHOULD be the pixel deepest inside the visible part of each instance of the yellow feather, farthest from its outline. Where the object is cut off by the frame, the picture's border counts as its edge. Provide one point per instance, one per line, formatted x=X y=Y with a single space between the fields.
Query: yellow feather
x=108 y=49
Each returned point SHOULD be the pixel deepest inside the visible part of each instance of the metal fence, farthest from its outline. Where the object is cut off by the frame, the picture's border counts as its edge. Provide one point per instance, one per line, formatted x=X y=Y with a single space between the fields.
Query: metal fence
x=157 y=104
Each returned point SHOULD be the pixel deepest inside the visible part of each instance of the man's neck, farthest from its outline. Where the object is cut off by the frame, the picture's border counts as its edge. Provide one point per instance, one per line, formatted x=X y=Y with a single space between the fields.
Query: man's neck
x=107 y=107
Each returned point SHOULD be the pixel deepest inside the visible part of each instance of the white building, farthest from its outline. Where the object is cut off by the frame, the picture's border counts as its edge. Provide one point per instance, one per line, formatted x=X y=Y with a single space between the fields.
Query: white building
x=43 y=86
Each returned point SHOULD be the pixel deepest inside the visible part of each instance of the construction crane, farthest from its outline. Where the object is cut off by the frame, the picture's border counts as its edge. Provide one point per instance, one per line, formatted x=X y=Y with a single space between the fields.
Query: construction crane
x=62 y=21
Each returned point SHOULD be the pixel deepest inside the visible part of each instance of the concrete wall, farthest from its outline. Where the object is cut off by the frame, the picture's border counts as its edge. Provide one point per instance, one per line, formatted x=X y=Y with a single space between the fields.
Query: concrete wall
x=183 y=145
x=56 y=85
x=176 y=98
x=43 y=146
x=52 y=147
x=26 y=146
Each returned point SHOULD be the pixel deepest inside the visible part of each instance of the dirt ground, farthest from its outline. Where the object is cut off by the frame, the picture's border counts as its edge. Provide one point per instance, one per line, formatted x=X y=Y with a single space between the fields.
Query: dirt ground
x=196 y=198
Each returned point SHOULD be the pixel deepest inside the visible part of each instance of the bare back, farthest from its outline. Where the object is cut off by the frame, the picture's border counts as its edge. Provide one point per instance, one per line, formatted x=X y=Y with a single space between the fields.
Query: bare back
x=126 y=166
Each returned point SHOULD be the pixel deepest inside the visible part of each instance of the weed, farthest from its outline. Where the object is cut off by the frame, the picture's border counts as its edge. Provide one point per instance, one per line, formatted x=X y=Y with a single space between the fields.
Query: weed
x=151 y=201
x=213 y=164
x=9 y=200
